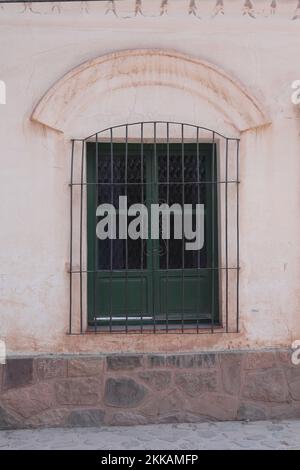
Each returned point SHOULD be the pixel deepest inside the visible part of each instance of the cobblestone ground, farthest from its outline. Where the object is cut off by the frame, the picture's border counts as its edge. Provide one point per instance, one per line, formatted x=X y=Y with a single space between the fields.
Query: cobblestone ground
x=226 y=435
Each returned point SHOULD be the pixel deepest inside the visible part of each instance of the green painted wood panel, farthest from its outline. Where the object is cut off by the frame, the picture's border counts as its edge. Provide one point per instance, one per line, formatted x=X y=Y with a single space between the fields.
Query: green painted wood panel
x=162 y=282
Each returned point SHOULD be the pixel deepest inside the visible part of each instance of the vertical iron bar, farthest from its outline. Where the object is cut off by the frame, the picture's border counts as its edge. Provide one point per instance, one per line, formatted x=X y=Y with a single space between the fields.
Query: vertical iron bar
x=226 y=234
x=111 y=240
x=237 y=237
x=126 y=241
x=167 y=255
x=183 y=199
x=143 y=272
x=81 y=219
x=199 y=251
x=213 y=271
x=71 y=236
x=95 y=234
x=154 y=255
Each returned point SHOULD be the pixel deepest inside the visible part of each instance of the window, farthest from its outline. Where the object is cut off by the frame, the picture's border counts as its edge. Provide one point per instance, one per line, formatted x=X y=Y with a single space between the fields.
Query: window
x=156 y=284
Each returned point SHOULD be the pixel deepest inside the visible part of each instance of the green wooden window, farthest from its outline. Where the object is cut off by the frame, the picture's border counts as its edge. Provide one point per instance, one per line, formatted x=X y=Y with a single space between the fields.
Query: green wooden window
x=152 y=283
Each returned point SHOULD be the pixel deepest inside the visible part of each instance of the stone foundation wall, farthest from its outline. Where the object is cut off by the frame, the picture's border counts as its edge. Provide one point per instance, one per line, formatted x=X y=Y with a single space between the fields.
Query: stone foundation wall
x=139 y=389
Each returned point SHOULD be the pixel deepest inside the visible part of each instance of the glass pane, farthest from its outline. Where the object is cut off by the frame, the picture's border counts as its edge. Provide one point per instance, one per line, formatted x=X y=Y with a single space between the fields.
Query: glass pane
x=184 y=175
x=121 y=254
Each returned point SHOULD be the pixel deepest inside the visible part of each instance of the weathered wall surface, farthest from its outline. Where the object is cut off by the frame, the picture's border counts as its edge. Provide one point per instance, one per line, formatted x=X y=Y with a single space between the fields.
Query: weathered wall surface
x=36 y=51
x=142 y=389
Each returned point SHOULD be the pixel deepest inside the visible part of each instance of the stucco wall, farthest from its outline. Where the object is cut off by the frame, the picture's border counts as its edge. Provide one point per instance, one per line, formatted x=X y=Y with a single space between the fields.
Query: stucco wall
x=36 y=51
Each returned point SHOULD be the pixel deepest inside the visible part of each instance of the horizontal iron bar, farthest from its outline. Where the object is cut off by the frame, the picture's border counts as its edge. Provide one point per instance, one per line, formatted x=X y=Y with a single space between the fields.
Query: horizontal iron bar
x=140 y=271
x=175 y=328
x=172 y=330
x=158 y=182
x=123 y=318
x=160 y=317
x=185 y=124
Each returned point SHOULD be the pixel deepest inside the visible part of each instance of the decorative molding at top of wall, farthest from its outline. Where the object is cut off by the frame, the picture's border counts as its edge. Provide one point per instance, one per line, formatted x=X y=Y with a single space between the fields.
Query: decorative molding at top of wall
x=198 y=9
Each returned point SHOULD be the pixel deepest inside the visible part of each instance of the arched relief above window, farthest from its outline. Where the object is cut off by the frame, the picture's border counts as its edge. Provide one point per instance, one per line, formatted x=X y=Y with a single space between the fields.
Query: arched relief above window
x=148 y=84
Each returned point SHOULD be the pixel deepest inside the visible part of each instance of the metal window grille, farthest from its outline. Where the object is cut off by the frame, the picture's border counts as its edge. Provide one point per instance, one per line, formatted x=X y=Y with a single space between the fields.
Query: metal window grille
x=142 y=286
